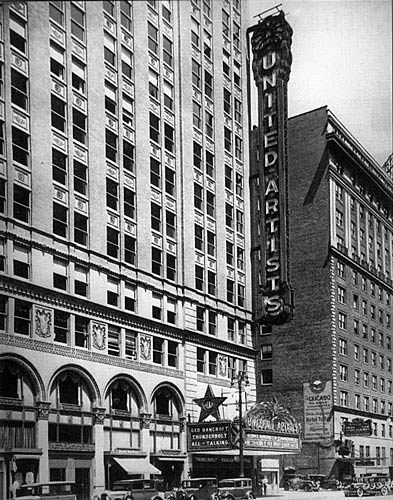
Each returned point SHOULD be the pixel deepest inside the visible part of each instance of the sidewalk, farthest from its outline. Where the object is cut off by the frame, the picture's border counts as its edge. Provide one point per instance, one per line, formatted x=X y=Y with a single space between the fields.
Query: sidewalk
x=304 y=495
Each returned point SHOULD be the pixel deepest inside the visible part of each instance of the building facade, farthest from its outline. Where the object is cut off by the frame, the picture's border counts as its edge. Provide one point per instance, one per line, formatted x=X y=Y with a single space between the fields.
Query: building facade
x=125 y=272
x=332 y=365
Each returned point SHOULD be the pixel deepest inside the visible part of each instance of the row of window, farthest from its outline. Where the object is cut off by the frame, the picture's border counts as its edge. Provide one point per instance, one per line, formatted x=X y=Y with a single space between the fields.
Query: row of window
x=162 y=309
x=366 y=356
x=382 y=387
x=373 y=197
x=58 y=14
x=367 y=334
x=365 y=403
x=208 y=363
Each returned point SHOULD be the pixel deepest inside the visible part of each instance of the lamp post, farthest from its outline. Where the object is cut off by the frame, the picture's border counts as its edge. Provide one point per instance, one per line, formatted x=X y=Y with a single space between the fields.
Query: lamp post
x=241 y=381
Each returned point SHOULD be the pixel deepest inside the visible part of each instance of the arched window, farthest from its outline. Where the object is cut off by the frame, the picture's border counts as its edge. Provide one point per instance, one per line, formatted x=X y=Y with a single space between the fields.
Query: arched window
x=9 y=377
x=123 y=403
x=166 y=404
x=167 y=411
x=123 y=397
x=69 y=388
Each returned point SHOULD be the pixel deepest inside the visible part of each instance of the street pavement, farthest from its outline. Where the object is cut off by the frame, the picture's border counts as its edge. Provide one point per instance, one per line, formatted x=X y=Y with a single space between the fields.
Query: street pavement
x=316 y=495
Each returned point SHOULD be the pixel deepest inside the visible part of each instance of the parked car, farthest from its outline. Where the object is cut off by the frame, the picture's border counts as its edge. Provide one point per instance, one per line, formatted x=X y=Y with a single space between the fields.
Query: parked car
x=236 y=488
x=54 y=490
x=304 y=483
x=198 y=488
x=135 y=489
x=368 y=485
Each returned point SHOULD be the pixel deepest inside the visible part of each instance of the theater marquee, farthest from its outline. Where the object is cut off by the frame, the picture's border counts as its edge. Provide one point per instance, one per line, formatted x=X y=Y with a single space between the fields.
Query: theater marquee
x=271 y=42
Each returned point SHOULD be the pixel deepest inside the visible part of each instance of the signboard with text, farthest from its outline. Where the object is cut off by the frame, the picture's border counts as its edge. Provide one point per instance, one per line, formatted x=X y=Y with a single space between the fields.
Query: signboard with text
x=271 y=44
x=261 y=441
x=318 y=405
x=357 y=427
x=219 y=436
x=209 y=436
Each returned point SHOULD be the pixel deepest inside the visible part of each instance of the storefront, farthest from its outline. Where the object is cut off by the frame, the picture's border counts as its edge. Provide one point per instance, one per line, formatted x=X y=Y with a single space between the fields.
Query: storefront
x=215 y=446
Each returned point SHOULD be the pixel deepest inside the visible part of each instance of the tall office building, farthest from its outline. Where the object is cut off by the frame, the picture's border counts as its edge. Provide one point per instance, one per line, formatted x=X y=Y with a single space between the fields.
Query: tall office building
x=125 y=273
x=332 y=364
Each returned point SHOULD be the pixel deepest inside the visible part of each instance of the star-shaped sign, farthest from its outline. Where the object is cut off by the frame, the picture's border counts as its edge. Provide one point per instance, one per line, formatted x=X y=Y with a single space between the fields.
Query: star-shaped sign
x=209 y=405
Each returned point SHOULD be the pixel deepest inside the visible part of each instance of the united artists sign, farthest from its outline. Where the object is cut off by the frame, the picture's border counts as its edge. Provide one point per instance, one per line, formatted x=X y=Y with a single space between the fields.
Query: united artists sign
x=271 y=43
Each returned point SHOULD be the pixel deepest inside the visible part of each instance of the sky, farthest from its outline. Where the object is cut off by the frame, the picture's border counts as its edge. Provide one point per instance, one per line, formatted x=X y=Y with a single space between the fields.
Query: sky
x=342 y=58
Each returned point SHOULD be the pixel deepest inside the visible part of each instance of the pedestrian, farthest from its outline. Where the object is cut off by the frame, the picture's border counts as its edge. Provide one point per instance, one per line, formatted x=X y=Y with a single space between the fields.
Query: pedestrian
x=264 y=485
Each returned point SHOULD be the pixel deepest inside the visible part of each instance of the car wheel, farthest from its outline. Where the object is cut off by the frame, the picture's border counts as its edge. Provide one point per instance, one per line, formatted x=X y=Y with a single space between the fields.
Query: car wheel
x=251 y=496
x=359 y=492
x=307 y=487
x=384 y=491
x=193 y=497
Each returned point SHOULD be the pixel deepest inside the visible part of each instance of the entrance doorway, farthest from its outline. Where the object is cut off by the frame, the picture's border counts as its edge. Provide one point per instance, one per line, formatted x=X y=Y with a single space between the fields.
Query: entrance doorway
x=82 y=484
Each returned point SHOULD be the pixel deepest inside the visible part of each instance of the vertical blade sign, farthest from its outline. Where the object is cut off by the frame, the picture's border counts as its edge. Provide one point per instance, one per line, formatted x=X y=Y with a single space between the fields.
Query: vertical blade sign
x=271 y=44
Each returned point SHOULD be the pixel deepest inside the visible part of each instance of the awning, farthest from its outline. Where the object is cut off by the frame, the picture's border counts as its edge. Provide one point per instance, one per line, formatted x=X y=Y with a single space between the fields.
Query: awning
x=137 y=466
x=171 y=459
x=20 y=456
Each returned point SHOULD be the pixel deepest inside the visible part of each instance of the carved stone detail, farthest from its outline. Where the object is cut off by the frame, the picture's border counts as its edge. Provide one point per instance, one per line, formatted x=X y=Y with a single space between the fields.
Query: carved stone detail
x=43 y=319
x=98 y=416
x=145 y=344
x=42 y=410
x=273 y=34
x=145 y=420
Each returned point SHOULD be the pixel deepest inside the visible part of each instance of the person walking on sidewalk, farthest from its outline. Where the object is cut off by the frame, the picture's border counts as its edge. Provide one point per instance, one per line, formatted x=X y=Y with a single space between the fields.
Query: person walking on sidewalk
x=264 y=485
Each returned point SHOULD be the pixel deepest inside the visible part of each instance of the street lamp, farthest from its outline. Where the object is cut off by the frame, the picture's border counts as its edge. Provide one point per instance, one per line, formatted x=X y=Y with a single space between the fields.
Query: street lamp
x=241 y=381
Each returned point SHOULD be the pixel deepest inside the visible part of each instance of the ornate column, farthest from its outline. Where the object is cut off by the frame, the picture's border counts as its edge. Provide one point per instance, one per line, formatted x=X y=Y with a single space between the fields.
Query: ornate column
x=98 y=461
x=271 y=42
x=145 y=432
x=42 y=409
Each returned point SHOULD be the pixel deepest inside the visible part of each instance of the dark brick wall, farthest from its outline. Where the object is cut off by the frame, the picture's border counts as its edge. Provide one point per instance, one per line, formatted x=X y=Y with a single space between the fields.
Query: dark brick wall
x=302 y=347
x=296 y=359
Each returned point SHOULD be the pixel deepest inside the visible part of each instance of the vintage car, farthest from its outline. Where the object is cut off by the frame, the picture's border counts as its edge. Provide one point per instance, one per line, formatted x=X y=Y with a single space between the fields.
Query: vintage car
x=303 y=483
x=368 y=485
x=54 y=490
x=236 y=489
x=135 y=489
x=198 y=488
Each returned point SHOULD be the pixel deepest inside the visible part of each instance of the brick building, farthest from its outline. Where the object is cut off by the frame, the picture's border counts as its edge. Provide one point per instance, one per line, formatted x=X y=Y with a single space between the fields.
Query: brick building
x=124 y=226
x=340 y=340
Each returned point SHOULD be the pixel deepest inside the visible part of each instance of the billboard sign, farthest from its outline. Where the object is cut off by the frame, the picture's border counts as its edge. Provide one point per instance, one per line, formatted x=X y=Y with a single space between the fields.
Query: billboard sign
x=318 y=406
x=357 y=427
